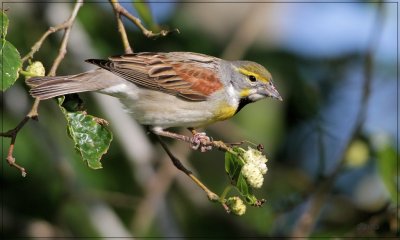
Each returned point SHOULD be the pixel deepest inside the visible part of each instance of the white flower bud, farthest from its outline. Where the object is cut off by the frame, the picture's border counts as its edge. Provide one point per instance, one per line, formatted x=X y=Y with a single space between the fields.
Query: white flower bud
x=256 y=158
x=236 y=205
x=263 y=168
x=253 y=155
x=253 y=175
x=35 y=69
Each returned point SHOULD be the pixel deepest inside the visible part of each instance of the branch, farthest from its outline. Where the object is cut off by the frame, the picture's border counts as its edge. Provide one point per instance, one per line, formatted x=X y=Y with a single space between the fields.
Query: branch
x=178 y=164
x=33 y=113
x=119 y=10
x=63 y=47
x=121 y=27
x=65 y=25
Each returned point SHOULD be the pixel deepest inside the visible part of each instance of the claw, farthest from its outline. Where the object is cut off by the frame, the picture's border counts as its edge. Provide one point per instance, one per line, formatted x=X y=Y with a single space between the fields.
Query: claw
x=200 y=140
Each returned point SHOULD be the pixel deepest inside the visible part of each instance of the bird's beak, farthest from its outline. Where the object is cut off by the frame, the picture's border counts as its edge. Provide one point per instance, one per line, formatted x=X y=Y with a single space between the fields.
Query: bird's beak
x=270 y=91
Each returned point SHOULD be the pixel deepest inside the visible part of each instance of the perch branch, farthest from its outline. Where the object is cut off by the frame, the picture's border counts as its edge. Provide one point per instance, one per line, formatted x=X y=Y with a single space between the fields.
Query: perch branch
x=178 y=164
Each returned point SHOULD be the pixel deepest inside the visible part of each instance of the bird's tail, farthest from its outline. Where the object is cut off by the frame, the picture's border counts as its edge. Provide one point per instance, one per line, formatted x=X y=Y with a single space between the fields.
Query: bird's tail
x=49 y=87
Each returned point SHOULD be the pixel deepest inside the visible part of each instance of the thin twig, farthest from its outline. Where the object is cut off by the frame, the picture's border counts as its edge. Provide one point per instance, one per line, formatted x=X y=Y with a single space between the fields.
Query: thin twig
x=148 y=33
x=308 y=219
x=178 y=164
x=33 y=112
x=13 y=135
x=121 y=27
x=63 y=47
x=65 y=25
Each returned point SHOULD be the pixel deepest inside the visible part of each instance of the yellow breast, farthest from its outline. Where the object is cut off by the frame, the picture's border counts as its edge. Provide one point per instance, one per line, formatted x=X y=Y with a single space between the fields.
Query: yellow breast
x=224 y=111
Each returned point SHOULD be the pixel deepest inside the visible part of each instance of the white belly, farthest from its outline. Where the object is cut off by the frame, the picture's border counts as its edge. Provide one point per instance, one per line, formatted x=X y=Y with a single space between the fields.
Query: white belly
x=163 y=110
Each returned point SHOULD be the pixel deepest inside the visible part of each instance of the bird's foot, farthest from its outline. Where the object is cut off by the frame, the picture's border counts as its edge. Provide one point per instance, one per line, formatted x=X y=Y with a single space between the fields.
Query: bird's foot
x=201 y=141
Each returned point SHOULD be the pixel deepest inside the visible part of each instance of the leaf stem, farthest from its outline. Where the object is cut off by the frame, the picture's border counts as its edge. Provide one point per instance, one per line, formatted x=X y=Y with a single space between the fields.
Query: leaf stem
x=225 y=193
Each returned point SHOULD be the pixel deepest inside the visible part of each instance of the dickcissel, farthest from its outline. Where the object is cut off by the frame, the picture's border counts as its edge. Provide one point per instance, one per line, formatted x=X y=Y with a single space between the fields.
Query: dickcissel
x=175 y=89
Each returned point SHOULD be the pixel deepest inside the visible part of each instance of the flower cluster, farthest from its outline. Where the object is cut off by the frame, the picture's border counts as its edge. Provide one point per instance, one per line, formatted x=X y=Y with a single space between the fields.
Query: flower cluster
x=254 y=168
x=236 y=205
x=35 y=69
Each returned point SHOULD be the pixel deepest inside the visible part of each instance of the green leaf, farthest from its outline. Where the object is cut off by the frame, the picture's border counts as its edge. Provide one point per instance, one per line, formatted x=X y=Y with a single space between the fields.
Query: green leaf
x=91 y=138
x=229 y=162
x=245 y=190
x=4 y=25
x=242 y=185
x=142 y=8
x=10 y=64
x=233 y=165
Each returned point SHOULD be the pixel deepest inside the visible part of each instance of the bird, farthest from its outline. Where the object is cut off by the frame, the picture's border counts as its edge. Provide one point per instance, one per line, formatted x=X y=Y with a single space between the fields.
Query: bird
x=169 y=89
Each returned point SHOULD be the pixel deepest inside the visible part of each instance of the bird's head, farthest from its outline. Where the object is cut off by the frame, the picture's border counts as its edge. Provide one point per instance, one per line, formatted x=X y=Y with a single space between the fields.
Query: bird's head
x=253 y=82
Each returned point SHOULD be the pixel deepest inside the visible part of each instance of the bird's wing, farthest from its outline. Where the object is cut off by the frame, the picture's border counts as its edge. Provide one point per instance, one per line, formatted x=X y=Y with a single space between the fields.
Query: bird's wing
x=190 y=76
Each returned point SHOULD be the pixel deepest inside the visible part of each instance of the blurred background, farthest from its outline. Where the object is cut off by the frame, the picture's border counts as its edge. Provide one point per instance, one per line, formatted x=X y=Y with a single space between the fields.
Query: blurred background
x=332 y=144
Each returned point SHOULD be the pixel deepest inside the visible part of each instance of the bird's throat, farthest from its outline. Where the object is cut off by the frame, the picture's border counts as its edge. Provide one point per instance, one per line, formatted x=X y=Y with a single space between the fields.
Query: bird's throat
x=243 y=102
x=226 y=111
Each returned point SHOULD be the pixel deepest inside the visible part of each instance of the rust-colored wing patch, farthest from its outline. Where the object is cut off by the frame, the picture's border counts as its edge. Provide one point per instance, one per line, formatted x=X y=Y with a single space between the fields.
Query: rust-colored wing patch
x=202 y=80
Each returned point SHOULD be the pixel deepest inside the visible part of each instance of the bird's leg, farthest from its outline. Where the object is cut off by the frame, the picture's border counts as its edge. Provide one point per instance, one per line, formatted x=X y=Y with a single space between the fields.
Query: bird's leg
x=178 y=164
x=200 y=140
x=160 y=132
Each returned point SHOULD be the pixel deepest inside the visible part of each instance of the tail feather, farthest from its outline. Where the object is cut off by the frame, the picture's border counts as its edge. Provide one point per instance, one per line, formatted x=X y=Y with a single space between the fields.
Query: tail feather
x=49 y=87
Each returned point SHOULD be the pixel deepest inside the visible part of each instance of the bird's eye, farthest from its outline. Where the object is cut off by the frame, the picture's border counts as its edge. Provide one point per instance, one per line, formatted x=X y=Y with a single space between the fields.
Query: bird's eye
x=252 y=78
